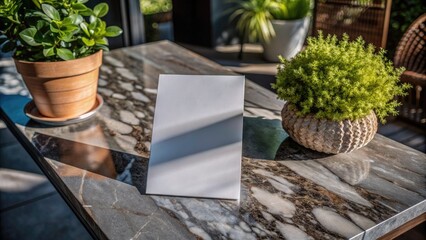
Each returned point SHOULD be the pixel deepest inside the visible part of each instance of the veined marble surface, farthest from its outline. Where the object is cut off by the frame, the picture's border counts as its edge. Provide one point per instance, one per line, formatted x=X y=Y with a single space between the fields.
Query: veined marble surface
x=287 y=191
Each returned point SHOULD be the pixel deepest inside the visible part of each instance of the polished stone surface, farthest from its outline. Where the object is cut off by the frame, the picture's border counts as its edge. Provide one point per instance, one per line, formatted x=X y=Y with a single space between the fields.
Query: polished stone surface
x=286 y=190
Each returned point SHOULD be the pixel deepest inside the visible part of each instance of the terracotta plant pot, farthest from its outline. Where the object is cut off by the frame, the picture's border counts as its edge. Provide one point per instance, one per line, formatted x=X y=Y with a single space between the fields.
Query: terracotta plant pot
x=328 y=136
x=62 y=89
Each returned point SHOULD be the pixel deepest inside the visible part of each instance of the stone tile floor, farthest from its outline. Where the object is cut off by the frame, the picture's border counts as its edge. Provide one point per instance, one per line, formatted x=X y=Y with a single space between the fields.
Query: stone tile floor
x=30 y=208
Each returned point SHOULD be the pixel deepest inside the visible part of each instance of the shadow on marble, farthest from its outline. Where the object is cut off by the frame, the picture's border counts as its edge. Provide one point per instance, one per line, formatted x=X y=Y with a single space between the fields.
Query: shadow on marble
x=291 y=150
x=127 y=168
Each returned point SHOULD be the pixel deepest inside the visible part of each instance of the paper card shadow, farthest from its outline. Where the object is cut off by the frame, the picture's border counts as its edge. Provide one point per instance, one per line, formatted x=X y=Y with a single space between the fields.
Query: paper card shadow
x=200 y=162
x=291 y=150
x=265 y=139
x=262 y=137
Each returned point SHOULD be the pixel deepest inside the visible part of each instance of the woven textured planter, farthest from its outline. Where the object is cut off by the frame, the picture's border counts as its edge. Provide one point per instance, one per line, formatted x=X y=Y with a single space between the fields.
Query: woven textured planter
x=328 y=136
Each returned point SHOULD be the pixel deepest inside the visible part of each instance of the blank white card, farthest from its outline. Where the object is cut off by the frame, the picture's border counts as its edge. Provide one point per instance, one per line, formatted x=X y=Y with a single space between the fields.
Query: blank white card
x=196 y=142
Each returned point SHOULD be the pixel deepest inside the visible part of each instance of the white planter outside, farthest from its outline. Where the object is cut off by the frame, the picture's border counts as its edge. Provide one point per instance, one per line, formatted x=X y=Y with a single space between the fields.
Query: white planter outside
x=289 y=38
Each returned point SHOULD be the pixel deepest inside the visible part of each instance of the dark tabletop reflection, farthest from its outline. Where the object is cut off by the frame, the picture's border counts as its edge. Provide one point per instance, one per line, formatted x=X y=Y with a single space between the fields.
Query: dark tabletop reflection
x=95 y=159
x=124 y=167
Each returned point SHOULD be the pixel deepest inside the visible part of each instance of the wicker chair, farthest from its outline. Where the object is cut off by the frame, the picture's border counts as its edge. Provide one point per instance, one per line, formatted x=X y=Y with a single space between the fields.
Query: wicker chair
x=411 y=54
x=369 y=19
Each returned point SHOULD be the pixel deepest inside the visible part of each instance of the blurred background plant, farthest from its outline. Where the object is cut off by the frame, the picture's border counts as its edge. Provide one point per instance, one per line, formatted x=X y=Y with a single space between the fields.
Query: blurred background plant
x=155 y=6
x=155 y=13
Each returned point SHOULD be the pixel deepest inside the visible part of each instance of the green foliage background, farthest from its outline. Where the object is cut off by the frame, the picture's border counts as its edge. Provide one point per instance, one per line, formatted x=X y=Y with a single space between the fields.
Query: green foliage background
x=340 y=80
x=155 y=6
x=403 y=13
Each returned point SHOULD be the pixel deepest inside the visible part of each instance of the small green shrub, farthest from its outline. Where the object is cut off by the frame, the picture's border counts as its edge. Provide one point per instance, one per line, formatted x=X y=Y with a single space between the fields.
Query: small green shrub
x=340 y=80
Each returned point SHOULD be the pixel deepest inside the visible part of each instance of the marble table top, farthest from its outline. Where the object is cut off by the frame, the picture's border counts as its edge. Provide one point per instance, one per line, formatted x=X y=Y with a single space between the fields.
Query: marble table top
x=287 y=191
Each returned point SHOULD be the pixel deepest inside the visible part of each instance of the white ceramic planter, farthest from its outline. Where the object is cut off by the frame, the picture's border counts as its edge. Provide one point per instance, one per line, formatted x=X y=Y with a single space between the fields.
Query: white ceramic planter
x=288 y=40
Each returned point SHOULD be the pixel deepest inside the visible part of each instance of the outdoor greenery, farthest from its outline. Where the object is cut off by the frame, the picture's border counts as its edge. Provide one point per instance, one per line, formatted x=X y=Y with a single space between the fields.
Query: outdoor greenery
x=155 y=6
x=254 y=16
x=53 y=30
x=291 y=9
x=403 y=13
x=340 y=79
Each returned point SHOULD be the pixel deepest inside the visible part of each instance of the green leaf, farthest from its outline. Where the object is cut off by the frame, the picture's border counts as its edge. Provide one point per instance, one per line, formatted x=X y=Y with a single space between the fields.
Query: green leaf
x=38 y=37
x=68 y=28
x=67 y=21
x=40 y=15
x=64 y=44
x=76 y=19
x=51 y=12
x=83 y=27
x=37 y=3
x=64 y=54
x=92 y=19
x=41 y=24
x=82 y=1
x=94 y=23
x=27 y=36
x=113 y=31
x=48 y=52
x=101 y=46
x=82 y=50
x=54 y=27
x=46 y=39
x=88 y=42
x=79 y=7
x=67 y=37
x=100 y=10
x=86 y=13
x=102 y=41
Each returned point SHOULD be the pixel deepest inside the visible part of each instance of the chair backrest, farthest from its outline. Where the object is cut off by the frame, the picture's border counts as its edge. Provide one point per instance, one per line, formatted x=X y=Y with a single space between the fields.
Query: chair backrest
x=366 y=18
x=126 y=14
x=411 y=54
x=411 y=49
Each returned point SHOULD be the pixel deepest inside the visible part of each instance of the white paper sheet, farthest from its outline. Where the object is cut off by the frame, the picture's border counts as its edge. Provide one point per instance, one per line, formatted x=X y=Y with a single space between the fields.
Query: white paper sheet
x=196 y=142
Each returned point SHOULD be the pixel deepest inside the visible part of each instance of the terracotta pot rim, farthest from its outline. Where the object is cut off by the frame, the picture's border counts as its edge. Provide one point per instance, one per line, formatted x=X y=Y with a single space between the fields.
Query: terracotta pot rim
x=68 y=61
x=59 y=69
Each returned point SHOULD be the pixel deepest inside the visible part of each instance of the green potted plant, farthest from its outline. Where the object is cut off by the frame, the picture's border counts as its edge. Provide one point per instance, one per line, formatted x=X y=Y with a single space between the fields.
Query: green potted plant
x=334 y=89
x=280 y=25
x=57 y=49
